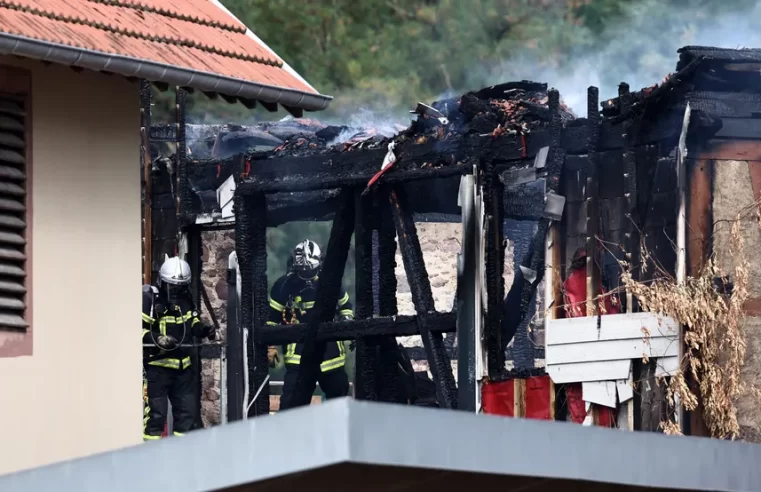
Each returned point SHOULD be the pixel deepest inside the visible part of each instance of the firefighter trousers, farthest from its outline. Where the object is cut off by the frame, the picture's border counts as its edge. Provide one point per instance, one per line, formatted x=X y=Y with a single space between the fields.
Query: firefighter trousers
x=169 y=385
x=334 y=383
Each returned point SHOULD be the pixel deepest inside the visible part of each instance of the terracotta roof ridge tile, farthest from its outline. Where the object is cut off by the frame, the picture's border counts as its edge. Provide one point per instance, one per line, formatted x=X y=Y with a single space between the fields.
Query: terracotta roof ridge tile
x=138 y=5
x=11 y=4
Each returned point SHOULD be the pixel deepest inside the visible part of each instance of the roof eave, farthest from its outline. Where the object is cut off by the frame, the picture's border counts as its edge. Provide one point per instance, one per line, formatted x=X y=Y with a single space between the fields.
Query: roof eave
x=11 y=44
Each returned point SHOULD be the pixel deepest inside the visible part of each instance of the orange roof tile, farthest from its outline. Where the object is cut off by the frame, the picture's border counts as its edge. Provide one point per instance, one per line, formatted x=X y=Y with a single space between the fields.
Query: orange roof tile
x=156 y=40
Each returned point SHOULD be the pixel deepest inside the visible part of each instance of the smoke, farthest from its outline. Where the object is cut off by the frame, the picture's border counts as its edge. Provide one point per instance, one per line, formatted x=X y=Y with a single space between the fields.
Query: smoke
x=640 y=49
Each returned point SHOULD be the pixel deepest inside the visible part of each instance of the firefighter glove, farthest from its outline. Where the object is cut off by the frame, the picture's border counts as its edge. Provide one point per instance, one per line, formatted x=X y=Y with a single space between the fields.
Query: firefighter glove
x=166 y=342
x=272 y=356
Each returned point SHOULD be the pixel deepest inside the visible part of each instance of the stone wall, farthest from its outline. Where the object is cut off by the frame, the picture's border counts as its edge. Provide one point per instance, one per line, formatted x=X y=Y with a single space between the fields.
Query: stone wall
x=217 y=246
x=733 y=194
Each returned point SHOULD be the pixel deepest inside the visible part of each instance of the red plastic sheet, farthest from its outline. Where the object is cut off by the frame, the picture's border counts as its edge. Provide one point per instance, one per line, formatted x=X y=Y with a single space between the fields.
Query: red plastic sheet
x=539 y=400
x=498 y=398
x=536 y=398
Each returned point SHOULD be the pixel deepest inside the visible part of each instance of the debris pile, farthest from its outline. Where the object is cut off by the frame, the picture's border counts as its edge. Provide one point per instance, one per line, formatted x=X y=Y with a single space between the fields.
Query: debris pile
x=514 y=108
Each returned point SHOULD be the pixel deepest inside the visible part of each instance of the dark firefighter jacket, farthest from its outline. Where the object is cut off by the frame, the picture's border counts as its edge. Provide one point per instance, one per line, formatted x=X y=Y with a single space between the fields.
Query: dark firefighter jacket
x=179 y=320
x=291 y=301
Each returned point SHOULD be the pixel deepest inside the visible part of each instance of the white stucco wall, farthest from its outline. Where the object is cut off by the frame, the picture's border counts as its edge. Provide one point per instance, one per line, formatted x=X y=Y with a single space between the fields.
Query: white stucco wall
x=80 y=391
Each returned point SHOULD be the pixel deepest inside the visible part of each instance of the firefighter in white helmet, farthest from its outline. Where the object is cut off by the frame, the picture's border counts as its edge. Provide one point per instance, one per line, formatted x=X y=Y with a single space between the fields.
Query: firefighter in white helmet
x=170 y=320
x=292 y=299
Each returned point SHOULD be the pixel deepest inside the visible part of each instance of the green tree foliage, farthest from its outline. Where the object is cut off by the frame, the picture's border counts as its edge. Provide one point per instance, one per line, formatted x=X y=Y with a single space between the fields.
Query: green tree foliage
x=385 y=55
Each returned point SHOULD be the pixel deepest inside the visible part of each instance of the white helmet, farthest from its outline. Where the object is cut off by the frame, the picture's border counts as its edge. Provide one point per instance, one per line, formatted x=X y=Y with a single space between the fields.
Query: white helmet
x=175 y=271
x=307 y=259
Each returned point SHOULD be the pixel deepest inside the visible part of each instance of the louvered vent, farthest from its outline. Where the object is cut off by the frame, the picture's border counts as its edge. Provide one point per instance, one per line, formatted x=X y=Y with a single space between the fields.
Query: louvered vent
x=12 y=213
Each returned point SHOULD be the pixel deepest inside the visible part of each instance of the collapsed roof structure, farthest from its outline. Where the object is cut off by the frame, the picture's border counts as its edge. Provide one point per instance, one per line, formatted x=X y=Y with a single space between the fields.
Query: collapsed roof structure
x=511 y=151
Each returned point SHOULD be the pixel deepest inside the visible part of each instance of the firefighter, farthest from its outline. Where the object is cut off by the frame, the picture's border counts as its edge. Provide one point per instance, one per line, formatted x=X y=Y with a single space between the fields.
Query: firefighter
x=291 y=300
x=170 y=320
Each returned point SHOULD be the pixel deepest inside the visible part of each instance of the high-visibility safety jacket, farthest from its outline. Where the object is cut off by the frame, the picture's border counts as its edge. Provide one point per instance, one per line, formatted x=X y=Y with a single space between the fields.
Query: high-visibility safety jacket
x=170 y=319
x=291 y=302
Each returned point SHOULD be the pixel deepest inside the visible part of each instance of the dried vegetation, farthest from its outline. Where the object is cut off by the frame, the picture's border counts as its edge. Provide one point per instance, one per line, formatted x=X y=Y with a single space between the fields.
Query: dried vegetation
x=710 y=308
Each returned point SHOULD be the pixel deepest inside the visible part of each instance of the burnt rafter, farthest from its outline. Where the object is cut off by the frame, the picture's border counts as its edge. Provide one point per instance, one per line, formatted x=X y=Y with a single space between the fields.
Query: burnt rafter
x=422 y=298
x=333 y=331
x=326 y=300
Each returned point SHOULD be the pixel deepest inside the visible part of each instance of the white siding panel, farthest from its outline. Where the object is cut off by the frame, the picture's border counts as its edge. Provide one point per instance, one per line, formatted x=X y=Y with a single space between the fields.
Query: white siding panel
x=611 y=350
x=612 y=327
x=600 y=392
x=589 y=371
x=666 y=366
x=578 y=350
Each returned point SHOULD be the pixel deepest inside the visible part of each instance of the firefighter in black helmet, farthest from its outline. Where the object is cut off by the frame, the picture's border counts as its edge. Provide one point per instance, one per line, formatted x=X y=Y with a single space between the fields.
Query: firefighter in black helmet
x=170 y=320
x=291 y=300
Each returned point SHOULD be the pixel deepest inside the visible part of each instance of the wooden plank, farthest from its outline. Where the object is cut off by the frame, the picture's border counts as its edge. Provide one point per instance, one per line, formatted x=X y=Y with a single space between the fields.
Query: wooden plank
x=552 y=400
x=699 y=232
x=599 y=392
x=612 y=327
x=699 y=216
x=611 y=350
x=589 y=371
x=520 y=398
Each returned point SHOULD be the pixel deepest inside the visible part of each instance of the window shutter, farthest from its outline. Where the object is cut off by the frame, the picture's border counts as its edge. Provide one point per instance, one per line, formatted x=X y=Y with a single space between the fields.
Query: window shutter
x=13 y=213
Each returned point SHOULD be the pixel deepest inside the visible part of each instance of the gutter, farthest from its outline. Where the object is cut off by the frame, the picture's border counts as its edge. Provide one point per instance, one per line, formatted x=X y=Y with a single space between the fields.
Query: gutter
x=11 y=44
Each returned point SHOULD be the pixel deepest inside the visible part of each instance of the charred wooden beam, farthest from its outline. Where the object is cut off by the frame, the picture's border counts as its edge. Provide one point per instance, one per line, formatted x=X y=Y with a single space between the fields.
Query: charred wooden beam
x=422 y=298
x=388 y=326
x=251 y=249
x=389 y=351
x=495 y=261
x=630 y=186
x=326 y=300
x=269 y=106
x=294 y=111
x=366 y=352
x=183 y=184
x=347 y=170
x=248 y=103
x=591 y=192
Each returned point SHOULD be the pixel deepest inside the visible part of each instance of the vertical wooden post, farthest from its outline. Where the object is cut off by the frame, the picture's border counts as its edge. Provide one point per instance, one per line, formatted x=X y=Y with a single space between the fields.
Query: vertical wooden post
x=591 y=192
x=389 y=352
x=145 y=143
x=699 y=246
x=366 y=352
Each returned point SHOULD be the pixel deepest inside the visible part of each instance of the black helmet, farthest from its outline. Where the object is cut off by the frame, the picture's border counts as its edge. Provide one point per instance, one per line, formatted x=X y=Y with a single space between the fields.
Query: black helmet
x=306 y=259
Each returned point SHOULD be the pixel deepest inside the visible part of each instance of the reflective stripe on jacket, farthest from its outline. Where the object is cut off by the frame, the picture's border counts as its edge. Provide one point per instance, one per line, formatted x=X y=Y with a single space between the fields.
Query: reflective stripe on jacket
x=176 y=320
x=291 y=301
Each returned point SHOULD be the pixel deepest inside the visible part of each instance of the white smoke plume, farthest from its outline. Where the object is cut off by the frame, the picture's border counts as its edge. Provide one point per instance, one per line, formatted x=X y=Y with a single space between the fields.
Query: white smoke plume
x=640 y=49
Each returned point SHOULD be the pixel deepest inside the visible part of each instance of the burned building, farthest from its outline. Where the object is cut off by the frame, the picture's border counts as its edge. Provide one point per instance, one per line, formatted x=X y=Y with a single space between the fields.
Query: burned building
x=506 y=164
